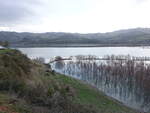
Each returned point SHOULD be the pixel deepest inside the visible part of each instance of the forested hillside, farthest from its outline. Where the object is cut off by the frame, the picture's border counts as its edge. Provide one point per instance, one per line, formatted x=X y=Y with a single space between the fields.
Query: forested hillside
x=131 y=37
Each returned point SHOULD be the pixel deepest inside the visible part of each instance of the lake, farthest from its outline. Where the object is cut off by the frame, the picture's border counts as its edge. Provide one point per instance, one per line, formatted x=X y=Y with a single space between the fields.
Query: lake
x=51 y=52
x=124 y=81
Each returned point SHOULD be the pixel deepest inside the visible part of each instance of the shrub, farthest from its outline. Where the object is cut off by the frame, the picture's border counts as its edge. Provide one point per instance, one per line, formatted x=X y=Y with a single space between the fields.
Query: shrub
x=39 y=60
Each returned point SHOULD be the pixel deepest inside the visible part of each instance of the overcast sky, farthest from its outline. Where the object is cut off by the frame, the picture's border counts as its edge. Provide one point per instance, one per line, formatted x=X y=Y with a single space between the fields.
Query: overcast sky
x=83 y=16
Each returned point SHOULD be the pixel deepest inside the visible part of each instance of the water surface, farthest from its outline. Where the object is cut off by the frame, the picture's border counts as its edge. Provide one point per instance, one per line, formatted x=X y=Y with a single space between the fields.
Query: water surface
x=50 y=52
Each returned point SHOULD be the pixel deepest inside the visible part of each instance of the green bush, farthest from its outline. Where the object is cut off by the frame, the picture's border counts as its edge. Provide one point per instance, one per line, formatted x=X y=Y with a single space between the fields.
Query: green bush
x=14 y=68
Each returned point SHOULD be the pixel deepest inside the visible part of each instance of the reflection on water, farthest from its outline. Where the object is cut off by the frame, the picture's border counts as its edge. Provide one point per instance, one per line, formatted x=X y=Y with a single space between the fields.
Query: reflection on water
x=125 y=80
x=59 y=65
x=48 y=53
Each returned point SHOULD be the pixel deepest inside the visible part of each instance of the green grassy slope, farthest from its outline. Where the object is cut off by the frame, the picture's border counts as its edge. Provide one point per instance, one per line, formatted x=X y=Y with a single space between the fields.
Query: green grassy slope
x=89 y=96
x=29 y=87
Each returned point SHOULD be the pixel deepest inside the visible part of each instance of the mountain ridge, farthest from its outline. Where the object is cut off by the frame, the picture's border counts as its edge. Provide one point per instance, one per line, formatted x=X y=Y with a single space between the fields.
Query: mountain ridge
x=127 y=37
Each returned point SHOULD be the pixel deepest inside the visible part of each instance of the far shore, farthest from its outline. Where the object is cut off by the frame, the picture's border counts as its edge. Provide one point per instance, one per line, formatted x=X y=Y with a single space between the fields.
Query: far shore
x=77 y=46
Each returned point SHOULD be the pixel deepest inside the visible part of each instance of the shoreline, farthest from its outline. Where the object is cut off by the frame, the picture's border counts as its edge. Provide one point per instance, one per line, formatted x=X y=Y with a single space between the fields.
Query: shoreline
x=69 y=46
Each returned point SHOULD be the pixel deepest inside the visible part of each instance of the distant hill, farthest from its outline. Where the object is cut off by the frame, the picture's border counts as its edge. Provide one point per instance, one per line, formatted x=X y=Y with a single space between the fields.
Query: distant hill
x=129 y=37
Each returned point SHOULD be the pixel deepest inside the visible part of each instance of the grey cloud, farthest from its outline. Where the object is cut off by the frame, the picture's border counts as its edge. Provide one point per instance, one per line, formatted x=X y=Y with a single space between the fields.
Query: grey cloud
x=13 y=11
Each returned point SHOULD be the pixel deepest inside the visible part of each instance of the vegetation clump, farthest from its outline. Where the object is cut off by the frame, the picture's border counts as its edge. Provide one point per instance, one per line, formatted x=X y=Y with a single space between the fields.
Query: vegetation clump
x=4 y=44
